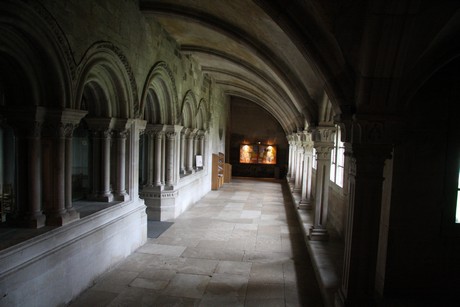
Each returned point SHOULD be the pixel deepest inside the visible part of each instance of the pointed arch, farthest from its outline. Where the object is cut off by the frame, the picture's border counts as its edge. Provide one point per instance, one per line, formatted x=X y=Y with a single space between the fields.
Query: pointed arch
x=160 y=95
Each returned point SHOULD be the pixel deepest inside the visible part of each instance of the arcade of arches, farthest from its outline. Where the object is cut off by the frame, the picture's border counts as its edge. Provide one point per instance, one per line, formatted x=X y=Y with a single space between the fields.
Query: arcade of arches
x=105 y=105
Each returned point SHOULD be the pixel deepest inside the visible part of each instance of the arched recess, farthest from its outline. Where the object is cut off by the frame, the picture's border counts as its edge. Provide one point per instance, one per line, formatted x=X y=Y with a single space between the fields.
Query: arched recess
x=104 y=72
x=188 y=113
x=202 y=118
x=35 y=76
x=34 y=56
x=160 y=95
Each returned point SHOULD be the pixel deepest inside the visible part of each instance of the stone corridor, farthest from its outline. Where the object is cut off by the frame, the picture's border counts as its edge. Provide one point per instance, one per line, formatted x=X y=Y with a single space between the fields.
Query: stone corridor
x=239 y=246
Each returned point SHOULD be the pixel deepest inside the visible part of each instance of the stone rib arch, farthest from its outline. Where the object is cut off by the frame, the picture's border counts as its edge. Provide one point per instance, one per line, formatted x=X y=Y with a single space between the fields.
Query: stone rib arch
x=33 y=54
x=189 y=110
x=160 y=81
x=202 y=117
x=104 y=66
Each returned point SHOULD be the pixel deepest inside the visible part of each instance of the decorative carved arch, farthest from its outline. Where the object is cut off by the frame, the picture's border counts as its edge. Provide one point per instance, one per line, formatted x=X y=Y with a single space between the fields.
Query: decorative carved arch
x=104 y=67
x=35 y=55
x=203 y=115
x=160 y=81
x=189 y=110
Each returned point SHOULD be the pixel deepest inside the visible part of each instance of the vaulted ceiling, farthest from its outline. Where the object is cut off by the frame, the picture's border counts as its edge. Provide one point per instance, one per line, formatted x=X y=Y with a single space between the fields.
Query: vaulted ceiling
x=256 y=50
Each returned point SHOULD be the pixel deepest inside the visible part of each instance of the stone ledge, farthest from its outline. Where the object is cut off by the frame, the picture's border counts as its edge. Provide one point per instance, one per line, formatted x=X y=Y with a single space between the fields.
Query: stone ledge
x=326 y=256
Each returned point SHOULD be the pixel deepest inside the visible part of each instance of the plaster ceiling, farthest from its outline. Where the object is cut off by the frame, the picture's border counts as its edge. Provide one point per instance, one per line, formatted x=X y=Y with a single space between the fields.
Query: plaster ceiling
x=247 y=54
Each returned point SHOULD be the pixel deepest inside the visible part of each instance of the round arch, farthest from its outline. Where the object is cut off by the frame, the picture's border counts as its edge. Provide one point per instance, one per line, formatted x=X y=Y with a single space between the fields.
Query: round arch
x=102 y=74
x=35 y=65
x=160 y=95
x=189 y=110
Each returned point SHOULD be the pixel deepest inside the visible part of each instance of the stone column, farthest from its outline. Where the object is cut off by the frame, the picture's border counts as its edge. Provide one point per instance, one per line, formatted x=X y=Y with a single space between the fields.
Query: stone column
x=101 y=129
x=362 y=233
x=158 y=159
x=68 y=171
x=27 y=124
x=150 y=158
x=189 y=162
x=170 y=144
x=121 y=127
x=323 y=138
x=299 y=169
x=289 y=170
x=105 y=194
x=183 y=150
x=306 y=195
x=137 y=127
x=58 y=167
x=120 y=187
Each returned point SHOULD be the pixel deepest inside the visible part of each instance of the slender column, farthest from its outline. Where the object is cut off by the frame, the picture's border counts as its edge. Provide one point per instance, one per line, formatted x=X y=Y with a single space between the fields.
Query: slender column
x=163 y=158
x=358 y=287
x=27 y=124
x=157 y=178
x=294 y=161
x=102 y=136
x=170 y=143
x=120 y=189
x=106 y=193
x=183 y=150
x=306 y=198
x=36 y=218
x=150 y=158
x=288 y=175
x=68 y=172
x=189 y=162
x=323 y=143
x=299 y=169
x=96 y=148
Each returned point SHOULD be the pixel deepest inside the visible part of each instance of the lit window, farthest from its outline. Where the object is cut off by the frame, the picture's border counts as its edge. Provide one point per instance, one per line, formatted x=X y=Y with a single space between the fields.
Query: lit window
x=457 y=213
x=314 y=158
x=337 y=160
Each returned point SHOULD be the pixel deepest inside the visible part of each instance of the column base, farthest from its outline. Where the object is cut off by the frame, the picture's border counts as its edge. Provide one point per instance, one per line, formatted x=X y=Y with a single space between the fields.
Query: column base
x=318 y=234
x=60 y=219
x=107 y=198
x=33 y=221
x=123 y=196
x=305 y=205
x=296 y=190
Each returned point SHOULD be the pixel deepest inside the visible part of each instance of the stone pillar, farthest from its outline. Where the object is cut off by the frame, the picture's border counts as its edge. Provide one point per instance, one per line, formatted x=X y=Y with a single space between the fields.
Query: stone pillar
x=183 y=150
x=150 y=157
x=189 y=162
x=121 y=127
x=101 y=131
x=170 y=144
x=362 y=233
x=306 y=195
x=105 y=193
x=158 y=179
x=120 y=189
x=289 y=170
x=299 y=168
x=137 y=127
x=27 y=124
x=323 y=138
x=68 y=170
x=58 y=165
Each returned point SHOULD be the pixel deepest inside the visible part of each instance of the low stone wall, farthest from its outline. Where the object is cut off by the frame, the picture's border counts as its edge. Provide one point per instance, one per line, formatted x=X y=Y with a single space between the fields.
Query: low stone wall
x=55 y=267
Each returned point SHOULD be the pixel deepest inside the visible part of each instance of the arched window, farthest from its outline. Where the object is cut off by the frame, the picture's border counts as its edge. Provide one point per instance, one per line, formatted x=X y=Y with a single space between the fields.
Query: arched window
x=337 y=160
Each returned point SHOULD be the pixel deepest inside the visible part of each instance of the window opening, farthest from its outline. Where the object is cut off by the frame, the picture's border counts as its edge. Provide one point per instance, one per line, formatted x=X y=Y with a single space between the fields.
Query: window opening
x=337 y=160
x=457 y=213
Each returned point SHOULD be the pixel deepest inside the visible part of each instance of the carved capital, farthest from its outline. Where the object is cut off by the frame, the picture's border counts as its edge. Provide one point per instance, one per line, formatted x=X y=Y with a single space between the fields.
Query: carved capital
x=323 y=134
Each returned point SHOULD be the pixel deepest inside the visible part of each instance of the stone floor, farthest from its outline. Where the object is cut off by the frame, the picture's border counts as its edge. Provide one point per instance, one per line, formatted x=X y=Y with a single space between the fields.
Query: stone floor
x=239 y=246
